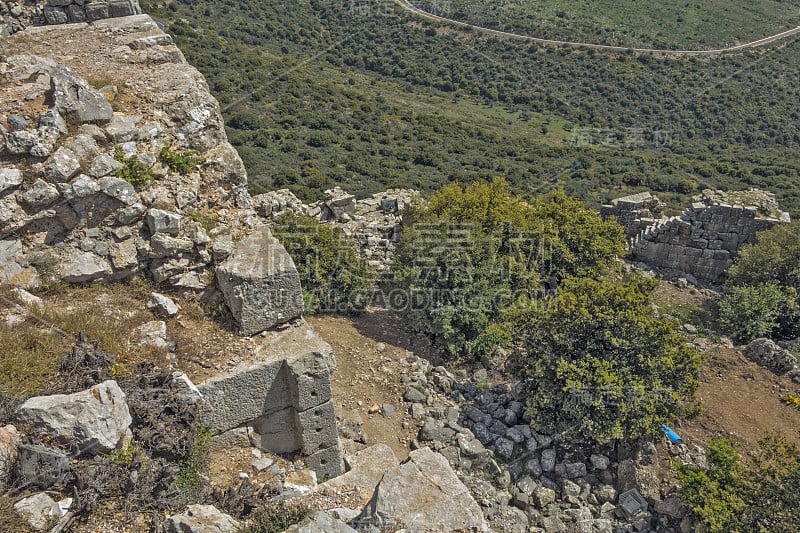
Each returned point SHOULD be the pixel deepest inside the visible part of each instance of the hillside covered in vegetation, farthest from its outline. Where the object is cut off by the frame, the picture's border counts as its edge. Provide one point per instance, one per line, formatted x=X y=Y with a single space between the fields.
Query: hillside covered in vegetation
x=368 y=96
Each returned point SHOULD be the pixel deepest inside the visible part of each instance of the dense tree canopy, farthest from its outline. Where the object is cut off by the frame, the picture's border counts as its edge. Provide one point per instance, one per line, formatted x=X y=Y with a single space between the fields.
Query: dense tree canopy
x=366 y=96
x=599 y=363
x=471 y=253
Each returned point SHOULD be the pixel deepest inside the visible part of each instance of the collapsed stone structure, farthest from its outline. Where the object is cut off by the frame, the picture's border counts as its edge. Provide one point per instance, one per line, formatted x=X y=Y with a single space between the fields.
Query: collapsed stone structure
x=66 y=212
x=374 y=223
x=64 y=11
x=281 y=397
x=704 y=239
x=16 y=15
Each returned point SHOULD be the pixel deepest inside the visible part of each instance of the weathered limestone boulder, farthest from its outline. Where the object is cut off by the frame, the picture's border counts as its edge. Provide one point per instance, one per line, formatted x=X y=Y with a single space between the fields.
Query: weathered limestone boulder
x=81 y=187
x=79 y=267
x=154 y=333
x=162 y=305
x=76 y=100
x=122 y=128
x=338 y=204
x=61 y=166
x=424 y=495
x=94 y=420
x=260 y=283
x=162 y=245
x=12 y=265
x=27 y=299
x=201 y=519
x=41 y=466
x=766 y=353
x=160 y=221
x=40 y=194
x=9 y=177
x=118 y=189
x=9 y=442
x=38 y=510
x=320 y=522
x=365 y=469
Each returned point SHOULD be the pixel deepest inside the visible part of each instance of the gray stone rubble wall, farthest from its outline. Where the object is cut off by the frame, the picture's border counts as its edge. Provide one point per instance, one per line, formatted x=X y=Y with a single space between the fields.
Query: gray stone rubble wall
x=60 y=199
x=703 y=241
x=66 y=11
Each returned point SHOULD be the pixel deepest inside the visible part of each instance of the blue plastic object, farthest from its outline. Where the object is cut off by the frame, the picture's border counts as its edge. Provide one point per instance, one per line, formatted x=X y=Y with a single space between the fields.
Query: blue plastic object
x=673 y=437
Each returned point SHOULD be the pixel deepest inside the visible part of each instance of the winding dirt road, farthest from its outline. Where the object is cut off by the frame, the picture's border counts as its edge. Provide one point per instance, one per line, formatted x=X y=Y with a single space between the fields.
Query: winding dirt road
x=405 y=4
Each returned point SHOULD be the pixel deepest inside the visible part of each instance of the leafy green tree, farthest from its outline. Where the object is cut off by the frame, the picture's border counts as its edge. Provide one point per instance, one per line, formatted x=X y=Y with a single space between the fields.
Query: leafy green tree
x=333 y=275
x=761 y=294
x=471 y=253
x=599 y=363
x=736 y=495
x=747 y=312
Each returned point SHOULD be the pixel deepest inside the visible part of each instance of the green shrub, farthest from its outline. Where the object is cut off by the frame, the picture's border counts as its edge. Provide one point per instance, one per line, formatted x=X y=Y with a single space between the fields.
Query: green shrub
x=206 y=221
x=791 y=399
x=46 y=265
x=470 y=254
x=761 y=294
x=132 y=170
x=334 y=277
x=275 y=517
x=180 y=162
x=600 y=364
x=741 y=495
x=189 y=478
x=747 y=312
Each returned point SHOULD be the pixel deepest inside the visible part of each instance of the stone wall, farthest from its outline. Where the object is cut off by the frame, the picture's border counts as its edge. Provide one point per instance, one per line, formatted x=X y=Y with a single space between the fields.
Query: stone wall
x=635 y=212
x=64 y=11
x=374 y=223
x=704 y=239
x=16 y=15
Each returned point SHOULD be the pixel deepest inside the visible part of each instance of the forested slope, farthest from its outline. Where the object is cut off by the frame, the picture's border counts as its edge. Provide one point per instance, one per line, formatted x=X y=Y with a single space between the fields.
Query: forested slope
x=367 y=96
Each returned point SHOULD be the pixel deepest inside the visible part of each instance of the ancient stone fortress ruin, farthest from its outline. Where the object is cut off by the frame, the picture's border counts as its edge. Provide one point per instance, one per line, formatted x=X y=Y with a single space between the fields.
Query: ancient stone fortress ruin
x=704 y=239
x=64 y=204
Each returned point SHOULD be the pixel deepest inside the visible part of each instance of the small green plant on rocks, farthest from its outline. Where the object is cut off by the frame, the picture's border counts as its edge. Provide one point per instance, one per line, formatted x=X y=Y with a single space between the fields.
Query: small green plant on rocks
x=208 y=222
x=189 y=477
x=275 y=517
x=132 y=170
x=180 y=162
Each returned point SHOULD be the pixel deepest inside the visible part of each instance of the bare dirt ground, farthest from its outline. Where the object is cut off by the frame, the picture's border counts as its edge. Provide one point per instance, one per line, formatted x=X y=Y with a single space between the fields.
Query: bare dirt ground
x=371 y=352
x=742 y=401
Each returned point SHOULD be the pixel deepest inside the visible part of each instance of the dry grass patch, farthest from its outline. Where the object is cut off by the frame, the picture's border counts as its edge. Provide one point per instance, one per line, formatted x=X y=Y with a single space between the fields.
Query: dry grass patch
x=10 y=521
x=35 y=342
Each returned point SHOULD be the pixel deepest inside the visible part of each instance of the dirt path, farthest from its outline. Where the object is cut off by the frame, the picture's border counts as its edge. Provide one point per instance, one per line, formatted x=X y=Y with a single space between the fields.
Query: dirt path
x=371 y=354
x=405 y=4
x=741 y=400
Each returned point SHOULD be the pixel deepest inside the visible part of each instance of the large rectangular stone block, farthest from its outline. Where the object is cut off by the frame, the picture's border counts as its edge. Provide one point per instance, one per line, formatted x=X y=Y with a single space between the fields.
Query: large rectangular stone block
x=319 y=428
x=310 y=380
x=260 y=283
x=244 y=394
x=76 y=13
x=55 y=15
x=121 y=8
x=326 y=463
x=96 y=11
